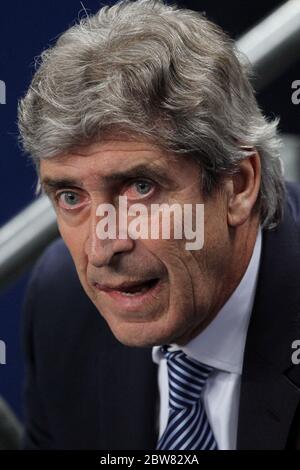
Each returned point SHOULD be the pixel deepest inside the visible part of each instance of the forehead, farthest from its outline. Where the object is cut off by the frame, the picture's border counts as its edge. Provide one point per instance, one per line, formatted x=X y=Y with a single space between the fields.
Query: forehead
x=111 y=158
x=106 y=155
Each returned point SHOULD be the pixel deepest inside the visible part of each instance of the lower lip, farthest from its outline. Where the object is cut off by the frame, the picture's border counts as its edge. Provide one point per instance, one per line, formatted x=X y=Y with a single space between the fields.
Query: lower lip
x=132 y=301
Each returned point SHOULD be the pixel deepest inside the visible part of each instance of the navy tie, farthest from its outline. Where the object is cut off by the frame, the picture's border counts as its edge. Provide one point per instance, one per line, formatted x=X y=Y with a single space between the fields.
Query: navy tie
x=188 y=427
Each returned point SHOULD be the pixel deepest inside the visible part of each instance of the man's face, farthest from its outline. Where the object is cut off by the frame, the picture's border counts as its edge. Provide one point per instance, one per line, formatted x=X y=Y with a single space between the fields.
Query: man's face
x=150 y=291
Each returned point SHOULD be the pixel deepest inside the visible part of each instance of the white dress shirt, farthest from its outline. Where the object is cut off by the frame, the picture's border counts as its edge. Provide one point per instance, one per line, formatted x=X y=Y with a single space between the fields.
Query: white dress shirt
x=221 y=345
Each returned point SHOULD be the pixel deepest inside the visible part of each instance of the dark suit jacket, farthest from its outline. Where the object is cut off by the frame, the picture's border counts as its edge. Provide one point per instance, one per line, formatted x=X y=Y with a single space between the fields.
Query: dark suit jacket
x=85 y=390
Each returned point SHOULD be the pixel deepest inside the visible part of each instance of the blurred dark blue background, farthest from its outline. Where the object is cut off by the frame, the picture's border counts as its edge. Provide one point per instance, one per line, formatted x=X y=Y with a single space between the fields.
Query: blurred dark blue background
x=26 y=28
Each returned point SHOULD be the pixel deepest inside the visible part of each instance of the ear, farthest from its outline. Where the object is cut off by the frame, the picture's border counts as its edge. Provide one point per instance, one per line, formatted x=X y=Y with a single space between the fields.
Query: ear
x=242 y=190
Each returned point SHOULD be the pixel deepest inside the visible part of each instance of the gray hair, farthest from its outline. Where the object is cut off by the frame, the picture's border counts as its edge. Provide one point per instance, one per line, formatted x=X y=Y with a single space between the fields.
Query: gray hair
x=160 y=72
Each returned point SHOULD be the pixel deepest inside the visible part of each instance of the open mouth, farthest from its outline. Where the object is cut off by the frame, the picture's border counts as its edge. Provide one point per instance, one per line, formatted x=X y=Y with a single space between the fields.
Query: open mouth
x=131 y=289
x=139 y=289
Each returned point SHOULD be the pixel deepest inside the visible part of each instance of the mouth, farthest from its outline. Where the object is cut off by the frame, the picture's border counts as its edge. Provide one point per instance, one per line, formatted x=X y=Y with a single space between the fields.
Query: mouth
x=130 y=289
x=133 y=297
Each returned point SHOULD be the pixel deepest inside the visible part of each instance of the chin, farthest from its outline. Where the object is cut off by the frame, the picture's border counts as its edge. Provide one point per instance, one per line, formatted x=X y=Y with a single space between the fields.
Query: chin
x=134 y=335
x=141 y=334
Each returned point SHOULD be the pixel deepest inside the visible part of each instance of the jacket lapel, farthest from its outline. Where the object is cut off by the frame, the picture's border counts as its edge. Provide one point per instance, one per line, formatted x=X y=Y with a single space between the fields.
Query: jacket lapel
x=270 y=389
x=128 y=397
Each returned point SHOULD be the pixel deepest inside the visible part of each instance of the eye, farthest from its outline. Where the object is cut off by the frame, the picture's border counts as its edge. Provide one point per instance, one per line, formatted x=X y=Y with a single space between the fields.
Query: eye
x=139 y=188
x=68 y=199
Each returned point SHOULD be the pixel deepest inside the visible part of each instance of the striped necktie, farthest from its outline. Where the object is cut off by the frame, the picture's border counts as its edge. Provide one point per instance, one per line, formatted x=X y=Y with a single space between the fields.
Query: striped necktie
x=188 y=427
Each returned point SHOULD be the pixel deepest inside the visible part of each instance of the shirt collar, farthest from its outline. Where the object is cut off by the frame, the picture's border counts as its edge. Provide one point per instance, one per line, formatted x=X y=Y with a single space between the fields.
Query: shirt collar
x=221 y=345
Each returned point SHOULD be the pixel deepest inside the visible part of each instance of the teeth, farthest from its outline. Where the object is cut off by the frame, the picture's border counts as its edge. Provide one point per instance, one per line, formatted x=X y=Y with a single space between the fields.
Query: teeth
x=131 y=294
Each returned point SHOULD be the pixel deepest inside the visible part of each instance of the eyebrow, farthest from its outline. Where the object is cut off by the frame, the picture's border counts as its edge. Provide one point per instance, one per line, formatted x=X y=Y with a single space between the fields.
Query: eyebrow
x=50 y=184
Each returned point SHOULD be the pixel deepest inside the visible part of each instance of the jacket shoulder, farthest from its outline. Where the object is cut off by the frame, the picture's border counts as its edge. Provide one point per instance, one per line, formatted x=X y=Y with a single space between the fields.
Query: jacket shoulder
x=55 y=301
x=293 y=200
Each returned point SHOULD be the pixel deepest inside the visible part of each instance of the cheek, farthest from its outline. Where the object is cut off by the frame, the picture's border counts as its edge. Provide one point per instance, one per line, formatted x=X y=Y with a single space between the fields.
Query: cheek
x=216 y=230
x=194 y=276
x=213 y=262
x=217 y=245
x=181 y=269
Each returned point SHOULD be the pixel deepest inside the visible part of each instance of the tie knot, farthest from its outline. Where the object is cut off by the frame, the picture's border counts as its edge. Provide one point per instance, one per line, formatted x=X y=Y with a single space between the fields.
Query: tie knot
x=187 y=377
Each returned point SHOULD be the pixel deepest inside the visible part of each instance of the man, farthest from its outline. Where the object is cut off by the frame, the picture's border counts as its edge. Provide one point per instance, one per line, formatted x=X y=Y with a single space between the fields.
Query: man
x=136 y=342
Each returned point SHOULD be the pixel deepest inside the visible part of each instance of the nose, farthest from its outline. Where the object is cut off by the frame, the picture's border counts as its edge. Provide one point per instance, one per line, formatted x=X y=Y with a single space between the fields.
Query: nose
x=101 y=251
